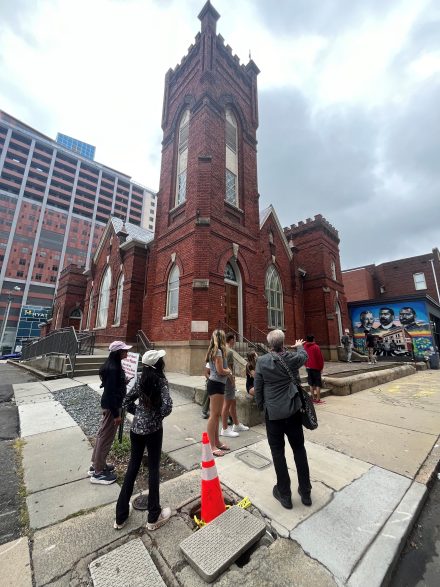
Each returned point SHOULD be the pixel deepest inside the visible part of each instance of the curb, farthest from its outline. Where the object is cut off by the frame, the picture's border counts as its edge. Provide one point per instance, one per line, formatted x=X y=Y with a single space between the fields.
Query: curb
x=41 y=374
x=377 y=565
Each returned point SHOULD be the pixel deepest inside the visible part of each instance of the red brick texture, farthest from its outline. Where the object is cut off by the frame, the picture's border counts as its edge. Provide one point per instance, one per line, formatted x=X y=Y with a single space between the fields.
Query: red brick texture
x=316 y=246
x=393 y=279
x=132 y=262
x=200 y=232
x=70 y=296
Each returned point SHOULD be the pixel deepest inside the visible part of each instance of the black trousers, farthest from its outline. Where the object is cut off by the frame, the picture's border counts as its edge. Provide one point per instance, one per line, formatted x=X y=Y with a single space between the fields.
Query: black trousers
x=292 y=428
x=153 y=443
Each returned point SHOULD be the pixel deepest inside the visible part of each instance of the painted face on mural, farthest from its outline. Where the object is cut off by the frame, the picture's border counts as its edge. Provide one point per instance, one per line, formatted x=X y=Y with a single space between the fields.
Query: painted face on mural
x=407 y=316
x=386 y=316
x=367 y=320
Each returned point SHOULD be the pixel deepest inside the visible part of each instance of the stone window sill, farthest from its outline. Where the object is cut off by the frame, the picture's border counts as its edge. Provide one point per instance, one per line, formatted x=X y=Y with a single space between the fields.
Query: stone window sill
x=171 y=317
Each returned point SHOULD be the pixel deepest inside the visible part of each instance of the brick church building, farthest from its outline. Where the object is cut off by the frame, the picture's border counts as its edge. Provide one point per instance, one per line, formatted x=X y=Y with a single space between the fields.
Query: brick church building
x=215 y=258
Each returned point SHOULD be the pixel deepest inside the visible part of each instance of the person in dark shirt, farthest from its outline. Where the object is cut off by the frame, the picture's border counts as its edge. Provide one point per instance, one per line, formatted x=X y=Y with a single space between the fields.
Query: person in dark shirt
x=115 y=387
x=370 y=340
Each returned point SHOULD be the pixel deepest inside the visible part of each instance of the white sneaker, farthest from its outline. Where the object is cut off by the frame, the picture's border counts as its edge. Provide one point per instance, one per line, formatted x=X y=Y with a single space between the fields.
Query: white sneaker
x=228 y=432
x=239 y=427
x=117 y=526
x=161 y=520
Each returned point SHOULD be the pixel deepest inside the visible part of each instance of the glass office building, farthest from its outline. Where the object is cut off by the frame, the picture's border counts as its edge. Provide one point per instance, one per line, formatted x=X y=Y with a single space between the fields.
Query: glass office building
x=84 y=149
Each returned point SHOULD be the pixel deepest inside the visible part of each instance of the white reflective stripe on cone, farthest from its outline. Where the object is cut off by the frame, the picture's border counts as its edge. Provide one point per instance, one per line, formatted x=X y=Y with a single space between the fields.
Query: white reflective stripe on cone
x=209 y=474
x=207 y=453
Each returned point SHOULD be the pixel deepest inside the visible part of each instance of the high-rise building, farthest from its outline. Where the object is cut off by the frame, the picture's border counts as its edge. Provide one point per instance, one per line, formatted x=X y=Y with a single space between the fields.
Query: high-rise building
x=84 y=149
x=54 y=205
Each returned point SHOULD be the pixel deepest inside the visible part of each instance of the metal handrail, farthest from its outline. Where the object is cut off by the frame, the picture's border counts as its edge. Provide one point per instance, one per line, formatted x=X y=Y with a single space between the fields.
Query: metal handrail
x=61 y=342
x=259 y=337
x=240 y=338
x=143 y=343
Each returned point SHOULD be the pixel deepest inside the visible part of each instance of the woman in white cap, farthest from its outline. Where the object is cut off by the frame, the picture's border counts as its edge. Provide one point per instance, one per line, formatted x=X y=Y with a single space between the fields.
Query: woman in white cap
x=146 y=431
x=114 y=383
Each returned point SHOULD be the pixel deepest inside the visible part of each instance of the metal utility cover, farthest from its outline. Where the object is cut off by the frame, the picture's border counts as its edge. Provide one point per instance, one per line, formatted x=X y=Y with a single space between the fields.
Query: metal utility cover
x=253 y=459
x=217 y=545
x=130 y=564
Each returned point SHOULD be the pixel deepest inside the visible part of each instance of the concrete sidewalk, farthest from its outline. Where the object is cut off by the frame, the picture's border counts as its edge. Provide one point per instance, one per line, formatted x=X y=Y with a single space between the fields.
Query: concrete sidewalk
x=370 y=460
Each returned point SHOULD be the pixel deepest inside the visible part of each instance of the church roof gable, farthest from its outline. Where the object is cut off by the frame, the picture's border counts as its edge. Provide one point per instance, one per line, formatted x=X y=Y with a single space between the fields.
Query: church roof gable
x=264 y=216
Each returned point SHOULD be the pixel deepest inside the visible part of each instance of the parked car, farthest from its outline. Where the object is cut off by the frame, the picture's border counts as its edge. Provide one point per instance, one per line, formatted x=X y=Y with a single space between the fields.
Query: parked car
x=11 y=356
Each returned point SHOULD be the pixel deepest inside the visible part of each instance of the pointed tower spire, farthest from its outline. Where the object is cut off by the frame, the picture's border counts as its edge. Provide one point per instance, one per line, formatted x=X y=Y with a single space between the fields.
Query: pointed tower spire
x=209 y=17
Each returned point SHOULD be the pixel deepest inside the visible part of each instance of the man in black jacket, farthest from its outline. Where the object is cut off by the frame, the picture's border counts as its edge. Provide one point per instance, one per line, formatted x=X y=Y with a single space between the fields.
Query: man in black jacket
x=277 y=394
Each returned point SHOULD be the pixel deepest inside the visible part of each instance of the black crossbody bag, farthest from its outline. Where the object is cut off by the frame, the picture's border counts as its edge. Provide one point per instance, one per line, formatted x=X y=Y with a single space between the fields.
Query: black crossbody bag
x=308 y=413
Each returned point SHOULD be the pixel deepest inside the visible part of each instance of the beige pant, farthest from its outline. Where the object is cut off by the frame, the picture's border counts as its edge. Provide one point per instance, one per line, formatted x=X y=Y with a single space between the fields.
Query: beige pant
x=104 y=440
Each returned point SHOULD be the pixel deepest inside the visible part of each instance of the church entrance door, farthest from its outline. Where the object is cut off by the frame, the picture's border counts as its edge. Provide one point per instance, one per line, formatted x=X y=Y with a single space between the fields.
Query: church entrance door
x=231 y=306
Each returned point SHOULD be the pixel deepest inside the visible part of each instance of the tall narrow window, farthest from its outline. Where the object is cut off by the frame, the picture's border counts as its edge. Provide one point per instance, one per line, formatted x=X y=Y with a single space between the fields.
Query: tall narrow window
x=231 y=193
x=274 y=295
x=333 y=269
x=182 y=158
x=104 y=299
x=173 y=292
x=89 y=313
x=119 y=295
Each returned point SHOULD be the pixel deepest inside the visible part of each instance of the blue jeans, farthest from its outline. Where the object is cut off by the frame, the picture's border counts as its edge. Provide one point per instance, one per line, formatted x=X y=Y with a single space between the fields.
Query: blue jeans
x=153 y=443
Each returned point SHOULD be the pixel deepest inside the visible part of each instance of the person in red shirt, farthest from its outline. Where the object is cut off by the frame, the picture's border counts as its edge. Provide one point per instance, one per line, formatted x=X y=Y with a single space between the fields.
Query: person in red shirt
x=314 y=366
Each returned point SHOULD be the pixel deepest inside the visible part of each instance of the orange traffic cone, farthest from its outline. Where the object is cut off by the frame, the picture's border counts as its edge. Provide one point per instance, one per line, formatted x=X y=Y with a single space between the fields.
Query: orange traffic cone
x=213 y=503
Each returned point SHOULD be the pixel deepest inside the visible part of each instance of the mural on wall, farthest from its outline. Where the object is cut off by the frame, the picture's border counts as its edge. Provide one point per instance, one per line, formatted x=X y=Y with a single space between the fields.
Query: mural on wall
x=399 y=328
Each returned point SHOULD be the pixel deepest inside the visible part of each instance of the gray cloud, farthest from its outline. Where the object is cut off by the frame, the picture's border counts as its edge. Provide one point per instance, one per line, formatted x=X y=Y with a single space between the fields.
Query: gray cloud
x=17 y=16
x=328 y=163
x=326 y=17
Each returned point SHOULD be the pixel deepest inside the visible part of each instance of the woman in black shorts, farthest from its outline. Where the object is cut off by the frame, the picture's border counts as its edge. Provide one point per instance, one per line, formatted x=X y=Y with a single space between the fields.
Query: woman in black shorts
x=216 y=357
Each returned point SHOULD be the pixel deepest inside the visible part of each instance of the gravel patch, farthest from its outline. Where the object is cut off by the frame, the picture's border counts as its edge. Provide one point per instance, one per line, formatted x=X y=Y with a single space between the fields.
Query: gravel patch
x=84 y=405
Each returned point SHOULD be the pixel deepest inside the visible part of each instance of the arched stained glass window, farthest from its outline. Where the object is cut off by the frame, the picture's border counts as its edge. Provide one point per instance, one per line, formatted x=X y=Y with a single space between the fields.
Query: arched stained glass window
x=274 y=295
x=119 y=296
x=231 y=194
x=230 y=273
x=173 y=292
x=104 y=299
x=182 y=158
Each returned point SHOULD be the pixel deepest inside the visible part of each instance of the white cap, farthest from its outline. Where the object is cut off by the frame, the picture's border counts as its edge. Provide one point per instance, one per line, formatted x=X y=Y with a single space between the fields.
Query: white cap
x=118 y=345
x=150 y=358
x=347 y=331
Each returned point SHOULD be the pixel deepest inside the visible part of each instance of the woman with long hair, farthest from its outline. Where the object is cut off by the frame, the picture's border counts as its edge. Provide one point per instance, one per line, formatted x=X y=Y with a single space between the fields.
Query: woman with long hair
x=146 y=431
x=114 y=383
x=218 y=367
x=251 y=363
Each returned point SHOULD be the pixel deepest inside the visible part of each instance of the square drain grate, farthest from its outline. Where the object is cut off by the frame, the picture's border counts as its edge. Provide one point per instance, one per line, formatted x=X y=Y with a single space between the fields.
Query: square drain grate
x=217 y=545
x=253 y=459
x=129 y=564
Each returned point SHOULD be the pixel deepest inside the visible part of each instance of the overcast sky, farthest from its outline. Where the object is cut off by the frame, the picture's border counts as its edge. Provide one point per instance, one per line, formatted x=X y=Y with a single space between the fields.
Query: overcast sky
x=349 y=98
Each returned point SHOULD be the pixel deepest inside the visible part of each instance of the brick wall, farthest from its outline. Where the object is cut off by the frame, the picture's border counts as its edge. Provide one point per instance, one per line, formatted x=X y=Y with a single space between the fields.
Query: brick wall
x=199 y=233
x=70 y=296
x=393 y=279
x=132 y=261
x=316 y=247
x=359 y=284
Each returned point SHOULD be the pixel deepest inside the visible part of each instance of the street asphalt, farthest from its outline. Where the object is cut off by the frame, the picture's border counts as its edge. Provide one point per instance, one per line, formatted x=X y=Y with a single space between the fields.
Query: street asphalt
x=370 y=460
x=9 y=430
